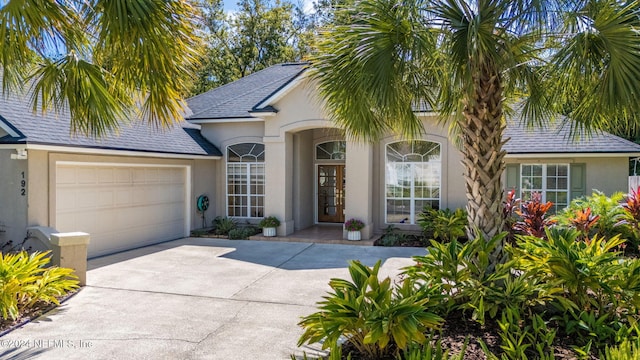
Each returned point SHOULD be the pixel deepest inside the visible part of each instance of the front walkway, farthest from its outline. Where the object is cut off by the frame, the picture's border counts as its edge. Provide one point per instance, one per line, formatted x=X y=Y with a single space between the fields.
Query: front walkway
x=321 y=234
x=195 y=298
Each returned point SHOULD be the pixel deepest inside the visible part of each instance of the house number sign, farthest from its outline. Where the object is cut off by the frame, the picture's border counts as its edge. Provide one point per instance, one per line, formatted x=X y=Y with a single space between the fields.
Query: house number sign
x=23 y=185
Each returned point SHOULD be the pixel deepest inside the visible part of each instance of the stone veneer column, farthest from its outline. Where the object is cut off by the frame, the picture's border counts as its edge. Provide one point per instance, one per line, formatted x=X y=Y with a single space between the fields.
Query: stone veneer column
x=359 y=185
x=278 y=199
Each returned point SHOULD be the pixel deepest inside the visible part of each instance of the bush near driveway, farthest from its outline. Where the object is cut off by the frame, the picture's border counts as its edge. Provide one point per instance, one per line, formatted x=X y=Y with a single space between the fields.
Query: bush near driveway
x=562 y=288
x=27 y=281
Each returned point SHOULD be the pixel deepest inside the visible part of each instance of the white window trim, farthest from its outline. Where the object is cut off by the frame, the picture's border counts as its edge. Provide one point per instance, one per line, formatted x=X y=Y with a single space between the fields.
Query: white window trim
x=544 y=189
x=412 y=211
x=249 y=195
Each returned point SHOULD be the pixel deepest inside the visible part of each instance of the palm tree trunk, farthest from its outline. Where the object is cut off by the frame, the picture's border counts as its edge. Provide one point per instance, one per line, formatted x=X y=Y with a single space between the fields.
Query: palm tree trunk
x=483 y=157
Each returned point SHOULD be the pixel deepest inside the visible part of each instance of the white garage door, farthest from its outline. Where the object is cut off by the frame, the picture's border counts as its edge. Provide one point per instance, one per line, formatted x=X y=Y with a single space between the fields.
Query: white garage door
x=121 y=207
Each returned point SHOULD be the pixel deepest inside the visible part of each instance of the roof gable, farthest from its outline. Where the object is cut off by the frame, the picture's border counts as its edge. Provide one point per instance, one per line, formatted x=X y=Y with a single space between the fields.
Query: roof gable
x=249 y=94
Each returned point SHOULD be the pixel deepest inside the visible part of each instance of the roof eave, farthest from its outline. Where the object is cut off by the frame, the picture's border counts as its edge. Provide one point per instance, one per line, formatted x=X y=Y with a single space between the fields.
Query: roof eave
x=283 y=90
x=529 y=155
x=106 y=151
x=225 y=120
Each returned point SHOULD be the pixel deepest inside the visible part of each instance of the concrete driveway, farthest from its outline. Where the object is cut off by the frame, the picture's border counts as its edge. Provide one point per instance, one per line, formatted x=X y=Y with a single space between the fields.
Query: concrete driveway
x=195 y=298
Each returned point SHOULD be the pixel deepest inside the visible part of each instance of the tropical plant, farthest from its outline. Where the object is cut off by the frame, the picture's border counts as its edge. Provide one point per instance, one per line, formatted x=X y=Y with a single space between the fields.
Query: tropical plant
x=464 y=275
x=583 y=221
x=269 y=222
x=626 y=350
x=469 y=61
x=354 y=225
x=26 y=280
x=607 y=209
x=631 y=215
x=590 y=274
x=443 y=224
x=223 y=225
x=509 y=207
x=393 y=237
x=533 y=217
x=376 y=317
x=101 y=61
x=432 y=350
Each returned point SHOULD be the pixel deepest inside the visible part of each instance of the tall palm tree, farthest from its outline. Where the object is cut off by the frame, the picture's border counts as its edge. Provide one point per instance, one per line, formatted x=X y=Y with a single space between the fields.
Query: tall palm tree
x=471 y=61
x=103 y=61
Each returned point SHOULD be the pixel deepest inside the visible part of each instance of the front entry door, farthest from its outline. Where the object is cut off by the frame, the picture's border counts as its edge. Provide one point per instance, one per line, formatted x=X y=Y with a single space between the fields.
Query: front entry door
x=331 y=180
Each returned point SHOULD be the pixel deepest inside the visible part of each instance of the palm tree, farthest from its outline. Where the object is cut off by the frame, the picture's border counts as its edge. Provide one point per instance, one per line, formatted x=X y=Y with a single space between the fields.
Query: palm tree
x=103 y=61
x=473 y=60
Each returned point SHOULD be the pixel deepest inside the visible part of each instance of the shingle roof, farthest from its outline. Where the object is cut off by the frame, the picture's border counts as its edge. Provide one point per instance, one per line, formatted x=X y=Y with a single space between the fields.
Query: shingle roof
x=239 y=98
x=51 y=129
x=555 y=139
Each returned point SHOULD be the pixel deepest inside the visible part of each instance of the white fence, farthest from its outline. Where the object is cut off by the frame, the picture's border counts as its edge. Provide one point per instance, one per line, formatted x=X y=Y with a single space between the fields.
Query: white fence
x=634 y=182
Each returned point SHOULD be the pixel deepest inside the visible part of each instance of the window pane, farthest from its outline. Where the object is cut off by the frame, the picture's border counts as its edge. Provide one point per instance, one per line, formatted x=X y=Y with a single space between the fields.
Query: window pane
x=412 y=179
x=245 y=152
x=536 y=170
x=398 y=211
x=333 y=150
x=563 y=170
x=245 y=180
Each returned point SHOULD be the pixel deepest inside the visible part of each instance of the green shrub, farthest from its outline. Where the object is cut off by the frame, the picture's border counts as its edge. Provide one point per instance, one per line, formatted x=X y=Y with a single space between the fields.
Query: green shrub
x=223 y=225
x=25 y=280
x=463 y=272
x=269 y=222
x=587 y=271
x=242 y=233
x=372 y=314
x=608 y=210
x=626 y=350
x=432 y=350
x=393 y=237
x=445 y=225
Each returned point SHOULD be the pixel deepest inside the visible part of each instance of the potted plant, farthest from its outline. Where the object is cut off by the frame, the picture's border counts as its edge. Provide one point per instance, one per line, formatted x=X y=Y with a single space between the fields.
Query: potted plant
x=269 y=225
x=353 y=227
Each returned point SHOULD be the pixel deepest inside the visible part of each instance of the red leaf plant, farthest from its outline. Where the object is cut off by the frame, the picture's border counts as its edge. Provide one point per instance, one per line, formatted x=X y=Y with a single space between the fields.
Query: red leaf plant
x=533 y=217
x=583 y=221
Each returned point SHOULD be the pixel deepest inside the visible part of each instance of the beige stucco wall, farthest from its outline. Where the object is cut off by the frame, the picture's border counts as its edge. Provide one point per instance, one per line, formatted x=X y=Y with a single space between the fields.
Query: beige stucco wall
x=608 y=175
x=42 y=175
x=13 y=205
x=290 y=137
x=304 y=177
x=225 y=134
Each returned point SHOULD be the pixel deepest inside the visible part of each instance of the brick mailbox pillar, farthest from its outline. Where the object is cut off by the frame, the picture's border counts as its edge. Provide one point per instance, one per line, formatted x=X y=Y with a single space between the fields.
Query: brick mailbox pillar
x=69 y=250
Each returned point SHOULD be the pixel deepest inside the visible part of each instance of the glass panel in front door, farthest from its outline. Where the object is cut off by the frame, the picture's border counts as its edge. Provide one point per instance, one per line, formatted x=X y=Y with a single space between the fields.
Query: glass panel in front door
x=330 y=193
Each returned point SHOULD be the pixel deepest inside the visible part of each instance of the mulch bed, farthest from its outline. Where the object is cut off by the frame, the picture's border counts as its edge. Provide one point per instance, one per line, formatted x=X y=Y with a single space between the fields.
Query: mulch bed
x=457 y=330
x=40 y=308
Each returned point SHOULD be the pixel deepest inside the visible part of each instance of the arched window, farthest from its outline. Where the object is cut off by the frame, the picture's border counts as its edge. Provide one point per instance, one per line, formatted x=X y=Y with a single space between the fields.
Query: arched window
x=412 y=179
x=332 y=150
x=245 y=180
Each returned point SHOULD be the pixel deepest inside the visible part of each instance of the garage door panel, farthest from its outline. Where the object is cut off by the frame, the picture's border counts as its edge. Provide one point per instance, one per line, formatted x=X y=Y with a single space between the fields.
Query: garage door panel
x=105 y=176
x=66 y=175
x=123 y=176
x=86 y=176
x=122 y=207
x=123 y=197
